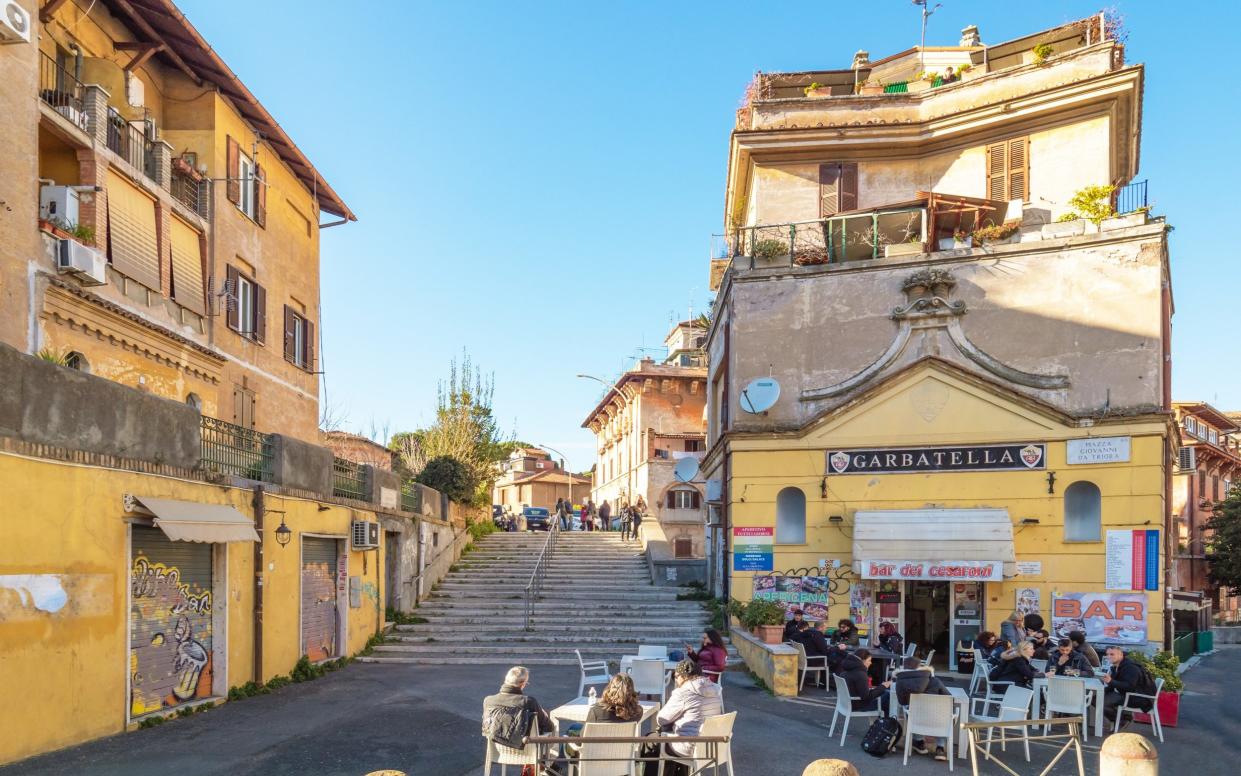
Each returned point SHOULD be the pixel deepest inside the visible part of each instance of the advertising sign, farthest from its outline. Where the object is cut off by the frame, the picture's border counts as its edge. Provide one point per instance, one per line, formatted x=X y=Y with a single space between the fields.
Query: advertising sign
x=1106 y=618
x=861 y=604
x=1101 y=450
x=1132 y=561
x=1029 y=600
x=809 y=593
x=942 y=571
x=752 y=548
x=971 y=458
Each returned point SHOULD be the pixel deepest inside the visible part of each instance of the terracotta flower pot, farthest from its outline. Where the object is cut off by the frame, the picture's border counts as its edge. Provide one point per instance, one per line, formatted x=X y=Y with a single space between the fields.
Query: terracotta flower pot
x=770 y=634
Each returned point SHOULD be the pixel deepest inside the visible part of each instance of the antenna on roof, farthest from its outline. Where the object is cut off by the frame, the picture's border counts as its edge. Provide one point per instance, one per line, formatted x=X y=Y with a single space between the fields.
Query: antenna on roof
x=926 y=14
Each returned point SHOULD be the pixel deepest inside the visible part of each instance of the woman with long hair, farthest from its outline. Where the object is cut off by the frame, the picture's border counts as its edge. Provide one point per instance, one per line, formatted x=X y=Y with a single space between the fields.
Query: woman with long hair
x=712 y=657
x=619 y=702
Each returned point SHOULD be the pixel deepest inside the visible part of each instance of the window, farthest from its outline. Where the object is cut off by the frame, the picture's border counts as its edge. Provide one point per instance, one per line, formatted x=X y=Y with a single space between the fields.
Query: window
x=837 y=188
x=1213 y=436
x=791 y=516
x=693 y=445
x=195 y=401
x=246 y=186
x=247 y=308
x=299 y=339
x=75 y=360
x=683 y=499
x=245 y=174
x=1008 y=169
x=244 y=402
x=1083 y=512
x=662 y=453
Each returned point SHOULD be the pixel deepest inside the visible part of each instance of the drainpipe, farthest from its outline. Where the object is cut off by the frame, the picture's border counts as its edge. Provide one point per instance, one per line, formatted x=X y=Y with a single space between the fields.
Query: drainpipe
x=77 y=61
x=258 y=584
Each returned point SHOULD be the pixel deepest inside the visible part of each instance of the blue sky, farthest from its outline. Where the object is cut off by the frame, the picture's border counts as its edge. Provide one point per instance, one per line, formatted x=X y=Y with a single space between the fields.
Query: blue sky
x=537 y=182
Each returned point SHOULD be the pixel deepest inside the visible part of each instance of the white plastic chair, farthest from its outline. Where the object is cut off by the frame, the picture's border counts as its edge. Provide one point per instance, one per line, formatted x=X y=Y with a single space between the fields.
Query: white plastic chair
x=910 y=649
x=718 y=678
x=593 y=672
x=505 y=756
x=981 y=669
x=926 y=662
x=651 y=652
x=611 y=757
x=807 y=664
x=1156 y=722
x=715 y=725
x=994 y=691
x=931 y=715
x=1068 y=696
x=844 y=708
x=1014 y=706
x=648 y=678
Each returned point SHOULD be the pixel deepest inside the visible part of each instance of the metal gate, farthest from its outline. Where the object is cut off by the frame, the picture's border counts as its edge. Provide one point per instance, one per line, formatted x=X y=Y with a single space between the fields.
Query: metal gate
x=169 y=622
x=319 y=603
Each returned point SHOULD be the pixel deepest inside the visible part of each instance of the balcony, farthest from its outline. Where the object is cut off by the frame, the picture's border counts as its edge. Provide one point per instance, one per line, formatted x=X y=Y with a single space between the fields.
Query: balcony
x=61 y=91
x=131 y=144
x=186 y=186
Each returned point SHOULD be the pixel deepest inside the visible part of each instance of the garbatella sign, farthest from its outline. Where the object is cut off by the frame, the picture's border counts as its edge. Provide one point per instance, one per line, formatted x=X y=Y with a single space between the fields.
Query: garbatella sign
x=971 y=458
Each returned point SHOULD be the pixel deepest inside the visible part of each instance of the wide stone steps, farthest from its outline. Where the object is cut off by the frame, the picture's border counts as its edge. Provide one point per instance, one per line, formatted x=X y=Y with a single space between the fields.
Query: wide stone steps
x=592 y=608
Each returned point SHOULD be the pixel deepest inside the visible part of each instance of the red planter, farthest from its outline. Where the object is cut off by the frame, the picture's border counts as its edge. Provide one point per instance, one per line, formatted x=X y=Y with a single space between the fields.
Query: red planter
x=1169 y=710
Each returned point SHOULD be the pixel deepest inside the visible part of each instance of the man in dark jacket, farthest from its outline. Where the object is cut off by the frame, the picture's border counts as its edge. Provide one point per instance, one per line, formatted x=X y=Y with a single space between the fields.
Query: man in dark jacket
x=507 y=714
x=794 y=625
x=1067 y=659
x=1042 y=644
x=913 y=679
x=1081 y=645
x=1125 y=676
x=816 y=646
x=854 y=668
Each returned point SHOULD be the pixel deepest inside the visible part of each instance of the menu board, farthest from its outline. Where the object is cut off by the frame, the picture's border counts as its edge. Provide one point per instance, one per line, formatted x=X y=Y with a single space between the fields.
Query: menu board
x=1132 y=561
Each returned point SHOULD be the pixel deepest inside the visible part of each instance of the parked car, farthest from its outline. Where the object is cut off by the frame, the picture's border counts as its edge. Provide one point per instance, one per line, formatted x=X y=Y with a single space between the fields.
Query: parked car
x=537 y=518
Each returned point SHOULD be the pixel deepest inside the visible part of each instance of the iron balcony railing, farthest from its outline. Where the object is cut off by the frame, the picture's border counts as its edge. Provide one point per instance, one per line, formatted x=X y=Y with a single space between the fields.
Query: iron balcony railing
x=853 y=237
x=411 y=496
x=348 y=479
x=534 y=588
x=1131 y=198
x=187 y=190
x=130 y=143
x=61 y=90
x=235 y=450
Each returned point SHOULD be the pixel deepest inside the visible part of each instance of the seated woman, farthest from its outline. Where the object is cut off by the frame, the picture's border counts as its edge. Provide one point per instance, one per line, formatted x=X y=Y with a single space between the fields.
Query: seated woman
x=889 y=639
x=712 y=657
x=619 y=702
x=990 y=645
x=1014 y=666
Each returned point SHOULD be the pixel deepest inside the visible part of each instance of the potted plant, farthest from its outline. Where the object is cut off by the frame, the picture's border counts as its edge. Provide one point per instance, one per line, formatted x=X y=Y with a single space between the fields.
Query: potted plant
x=996 y=233
x=770 y=249
x=1162 y=665
x=871 y=88
x=962 y=239
x=765 y=619
x=816 y=89
x=1038 y=55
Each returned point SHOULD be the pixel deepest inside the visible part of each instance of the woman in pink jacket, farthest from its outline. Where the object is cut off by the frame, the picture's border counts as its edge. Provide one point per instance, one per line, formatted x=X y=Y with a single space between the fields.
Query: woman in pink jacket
x=712 y=656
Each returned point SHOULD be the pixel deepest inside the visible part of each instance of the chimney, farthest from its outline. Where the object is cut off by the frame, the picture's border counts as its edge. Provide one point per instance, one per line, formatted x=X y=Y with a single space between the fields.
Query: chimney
x=970 y=36
x=861 y=60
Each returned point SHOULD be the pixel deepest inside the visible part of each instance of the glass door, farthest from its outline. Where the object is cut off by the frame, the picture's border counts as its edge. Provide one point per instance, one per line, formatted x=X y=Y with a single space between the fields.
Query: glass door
x=967 y=616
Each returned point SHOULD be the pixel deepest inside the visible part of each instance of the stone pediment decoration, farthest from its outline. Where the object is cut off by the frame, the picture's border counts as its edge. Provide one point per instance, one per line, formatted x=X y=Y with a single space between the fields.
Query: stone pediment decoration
x=929 y=325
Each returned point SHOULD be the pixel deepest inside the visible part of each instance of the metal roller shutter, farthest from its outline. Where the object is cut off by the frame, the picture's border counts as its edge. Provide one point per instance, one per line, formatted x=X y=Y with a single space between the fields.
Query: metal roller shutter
x=319 y=603
x=169 y=621
x=187 y=266
x=132 y=233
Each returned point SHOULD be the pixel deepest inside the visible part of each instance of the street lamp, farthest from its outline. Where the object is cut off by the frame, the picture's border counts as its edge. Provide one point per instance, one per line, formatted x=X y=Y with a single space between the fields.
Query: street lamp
x=564 y=458
x=596 y=379
x=284 y=534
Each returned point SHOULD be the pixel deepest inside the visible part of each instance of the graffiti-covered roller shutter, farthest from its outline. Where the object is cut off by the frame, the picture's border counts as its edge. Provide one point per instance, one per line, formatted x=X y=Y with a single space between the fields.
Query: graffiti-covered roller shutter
x=319 y=610
x=169 y=621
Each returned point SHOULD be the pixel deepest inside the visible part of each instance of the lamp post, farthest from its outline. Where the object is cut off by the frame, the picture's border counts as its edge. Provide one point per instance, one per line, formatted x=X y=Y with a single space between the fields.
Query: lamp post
x=568 y=473
x=926 y=14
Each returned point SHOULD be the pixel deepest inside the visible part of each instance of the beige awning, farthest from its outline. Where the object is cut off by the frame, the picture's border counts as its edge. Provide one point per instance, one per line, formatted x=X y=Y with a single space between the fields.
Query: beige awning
x=956 y=541
x=188 y=521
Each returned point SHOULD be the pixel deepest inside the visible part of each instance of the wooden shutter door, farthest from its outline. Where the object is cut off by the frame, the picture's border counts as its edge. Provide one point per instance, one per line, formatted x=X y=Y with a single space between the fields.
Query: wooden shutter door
x=233 y=163
x=260 y=196
x=829 y=190
x=290 y=336
x=997 y=171
x=309 y=362
x=260 y=313
x=848 y=186
x=233 y=301
x=672 y=499
x=1018 y=169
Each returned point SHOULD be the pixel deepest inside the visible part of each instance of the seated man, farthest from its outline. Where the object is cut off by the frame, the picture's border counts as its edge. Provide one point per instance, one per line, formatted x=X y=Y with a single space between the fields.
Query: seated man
x=1125 y=676
x=1081 y=645
x=1042 y=644
x=854 y=668
x=507 y=714
x=694 y=699
x=794 y=625
x=1069 y=662
x=811 y=637
x=913 y=679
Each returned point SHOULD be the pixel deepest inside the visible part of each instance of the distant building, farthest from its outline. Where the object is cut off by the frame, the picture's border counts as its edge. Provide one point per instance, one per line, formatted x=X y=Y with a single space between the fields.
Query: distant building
x=653 y=417
x=531 y=478
x=357 y=448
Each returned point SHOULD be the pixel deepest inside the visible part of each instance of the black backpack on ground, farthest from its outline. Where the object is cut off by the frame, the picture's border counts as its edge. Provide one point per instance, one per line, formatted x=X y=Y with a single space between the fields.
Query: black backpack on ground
x=882 y=737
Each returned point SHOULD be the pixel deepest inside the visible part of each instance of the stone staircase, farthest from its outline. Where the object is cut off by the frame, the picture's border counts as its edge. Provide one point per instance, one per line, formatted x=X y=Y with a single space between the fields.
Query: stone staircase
x=597 y=598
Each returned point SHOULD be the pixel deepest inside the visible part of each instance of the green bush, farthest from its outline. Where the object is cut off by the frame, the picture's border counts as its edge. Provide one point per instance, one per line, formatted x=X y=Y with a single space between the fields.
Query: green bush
x=1093 y=203
x=449 y=476
x=151 y=722
x=770 y=249
x=757 y=612
x=1162 y=665
x=276 y=682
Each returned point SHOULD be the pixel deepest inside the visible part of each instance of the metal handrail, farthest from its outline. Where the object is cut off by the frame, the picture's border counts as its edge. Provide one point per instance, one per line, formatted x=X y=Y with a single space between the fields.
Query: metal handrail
x=827 y=240
x=534 y=588
x=711 y=757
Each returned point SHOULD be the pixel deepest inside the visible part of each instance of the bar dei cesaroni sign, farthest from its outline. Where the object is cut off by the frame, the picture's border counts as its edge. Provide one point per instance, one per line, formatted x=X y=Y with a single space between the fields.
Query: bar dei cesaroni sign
x=971 y=458
x=943 y=570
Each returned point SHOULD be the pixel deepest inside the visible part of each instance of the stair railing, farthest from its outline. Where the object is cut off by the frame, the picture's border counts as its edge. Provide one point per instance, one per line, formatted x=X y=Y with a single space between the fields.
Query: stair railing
x=534 y=588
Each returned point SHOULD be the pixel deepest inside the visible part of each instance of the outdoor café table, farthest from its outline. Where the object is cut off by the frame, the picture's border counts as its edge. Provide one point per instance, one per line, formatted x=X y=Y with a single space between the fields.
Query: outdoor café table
x=961 y=702
x=576 y=710
x=1092 y=685
x=626 y=662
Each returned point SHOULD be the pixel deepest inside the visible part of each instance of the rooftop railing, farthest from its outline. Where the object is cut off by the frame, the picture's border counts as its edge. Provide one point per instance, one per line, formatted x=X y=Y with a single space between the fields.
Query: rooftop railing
x=853 y=237
x=348 y=479
x=235 y=450
x=61 y=90
x=1131 y=198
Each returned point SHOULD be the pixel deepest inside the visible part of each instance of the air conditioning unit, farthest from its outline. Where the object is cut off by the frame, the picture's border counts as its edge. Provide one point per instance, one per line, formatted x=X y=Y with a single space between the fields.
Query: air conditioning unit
x=365 y=535
x=1186 y=459
x=14 y=23
x=83 y=261
x=59 y=204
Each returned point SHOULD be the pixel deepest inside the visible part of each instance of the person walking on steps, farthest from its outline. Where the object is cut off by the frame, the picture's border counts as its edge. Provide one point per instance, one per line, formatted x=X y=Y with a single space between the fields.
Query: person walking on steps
x=636 y=515
x=626 y=524
x=605 y=515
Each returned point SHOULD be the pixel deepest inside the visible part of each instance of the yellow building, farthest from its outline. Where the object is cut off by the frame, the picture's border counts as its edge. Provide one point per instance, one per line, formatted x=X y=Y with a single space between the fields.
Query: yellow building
x=973 y=410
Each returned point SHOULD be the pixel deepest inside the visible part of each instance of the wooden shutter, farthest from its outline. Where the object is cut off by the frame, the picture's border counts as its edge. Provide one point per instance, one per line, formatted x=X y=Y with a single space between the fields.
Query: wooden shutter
x=997 y=171
x=1018 y=169
x=233 y=163
x=848 y=186
x=694 y=500
x=672 y=499
x=187 y=266
x=290 y=334
x=829 y=190
x=232 y=277
x=132 y=235
x=309 y=361
x=260 y=313
x=260 y=196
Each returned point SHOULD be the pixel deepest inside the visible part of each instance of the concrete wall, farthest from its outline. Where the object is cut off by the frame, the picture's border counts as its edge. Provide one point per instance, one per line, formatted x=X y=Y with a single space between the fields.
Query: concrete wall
x=441 y=546
x=301 y=465
x=19 y=189
x=775 y=664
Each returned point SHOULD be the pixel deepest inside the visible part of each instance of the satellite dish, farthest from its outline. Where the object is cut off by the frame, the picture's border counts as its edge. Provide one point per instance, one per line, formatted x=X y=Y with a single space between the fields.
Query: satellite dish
x=686 y=469
x=760 y=395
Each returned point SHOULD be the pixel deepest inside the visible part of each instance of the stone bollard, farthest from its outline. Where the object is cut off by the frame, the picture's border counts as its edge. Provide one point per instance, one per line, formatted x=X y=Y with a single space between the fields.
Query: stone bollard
x=1128 y=754
x=829 y=768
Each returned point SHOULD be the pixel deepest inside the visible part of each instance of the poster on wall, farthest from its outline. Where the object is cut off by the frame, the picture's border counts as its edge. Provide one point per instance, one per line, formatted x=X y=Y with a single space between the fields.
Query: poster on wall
x=1029 y=600
x=808 y=593
x=1132 y=560
x=752 y=548
x=1106 y=618
x=861 y=603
